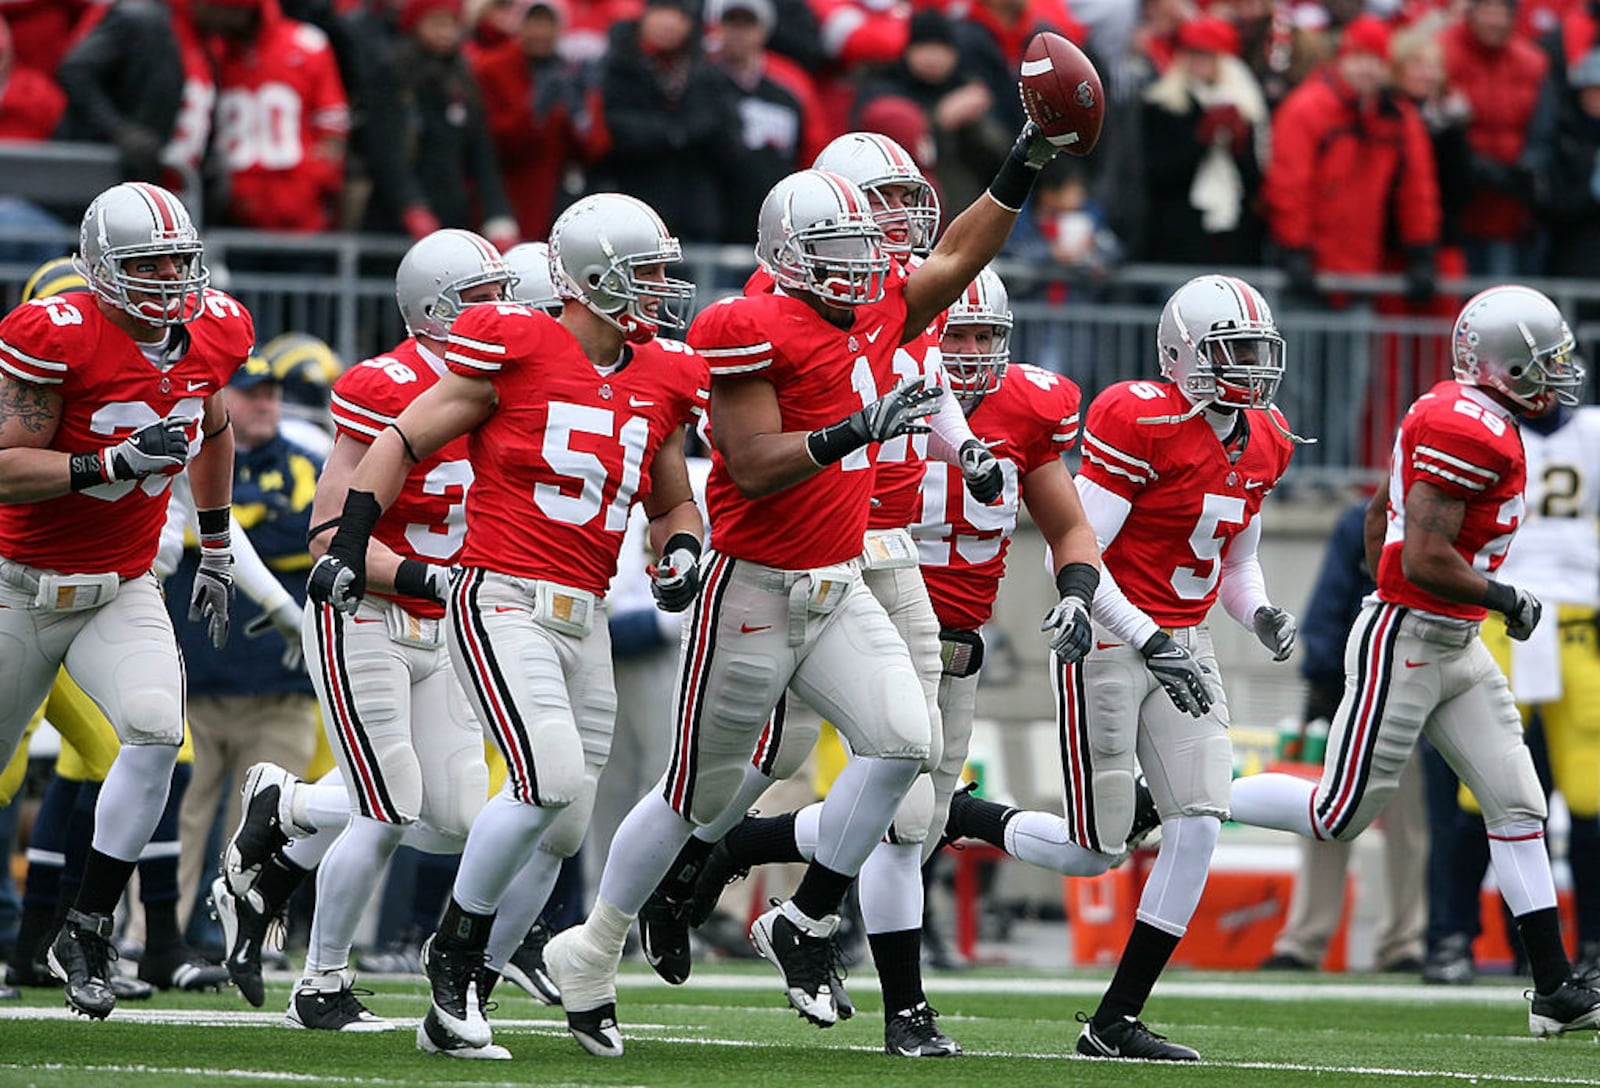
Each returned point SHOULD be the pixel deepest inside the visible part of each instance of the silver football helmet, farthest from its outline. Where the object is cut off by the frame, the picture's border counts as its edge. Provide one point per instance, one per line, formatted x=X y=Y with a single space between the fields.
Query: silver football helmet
x=137 y=219
x=873 y=161
x=434 y=273
x=1217 y=341
x=1513 y=340
x=531 y=262
x=597 y=247
x=976 y=374
x=816 y=233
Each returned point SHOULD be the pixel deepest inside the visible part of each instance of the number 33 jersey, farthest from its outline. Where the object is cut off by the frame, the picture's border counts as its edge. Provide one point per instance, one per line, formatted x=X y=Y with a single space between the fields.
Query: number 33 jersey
x=1188 y=499
x=427 y=521
x=568 y=448
x=108 y=390
x=1463 y=443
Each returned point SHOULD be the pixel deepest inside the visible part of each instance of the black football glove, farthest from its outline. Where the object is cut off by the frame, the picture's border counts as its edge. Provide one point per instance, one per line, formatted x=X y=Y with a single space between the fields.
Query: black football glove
x=160 y=447
x=1070 y=633
x=981 y=469
x=675 y=578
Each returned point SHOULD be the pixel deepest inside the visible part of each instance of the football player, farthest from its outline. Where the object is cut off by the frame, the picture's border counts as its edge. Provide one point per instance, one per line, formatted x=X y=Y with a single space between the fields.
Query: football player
x=1414 y=663
x=103 y=398
x=796 y=401
x=570 y=422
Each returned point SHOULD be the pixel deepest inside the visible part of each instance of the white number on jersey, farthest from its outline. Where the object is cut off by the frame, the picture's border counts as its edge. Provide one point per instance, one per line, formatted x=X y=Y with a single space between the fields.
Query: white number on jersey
x=442 y=541
x=586 y=469
x=941 y=542
x=1493 y=553
x=260 y=127
x=1194 y=582
x=60 y=313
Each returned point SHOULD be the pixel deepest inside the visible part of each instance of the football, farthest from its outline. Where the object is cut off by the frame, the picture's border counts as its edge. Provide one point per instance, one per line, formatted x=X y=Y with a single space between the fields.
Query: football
x=1062 y=94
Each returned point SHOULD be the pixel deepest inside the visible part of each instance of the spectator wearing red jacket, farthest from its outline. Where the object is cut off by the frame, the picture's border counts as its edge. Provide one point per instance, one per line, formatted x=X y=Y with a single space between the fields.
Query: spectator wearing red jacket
x=542 y=117
x=1500 y=74
x=42 y=30
x=282 y=116
x=30 y=102
x=1350 y=159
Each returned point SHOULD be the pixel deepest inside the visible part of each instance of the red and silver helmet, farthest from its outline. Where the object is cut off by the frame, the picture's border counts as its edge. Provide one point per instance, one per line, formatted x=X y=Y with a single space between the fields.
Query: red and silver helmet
x=983 y=304
x=133 y=220
x=437 y=270
x=873 y=162
x=1217 y=340
x=597 y=247
x=816 y=233
x=1513 y=340
x=531 y=262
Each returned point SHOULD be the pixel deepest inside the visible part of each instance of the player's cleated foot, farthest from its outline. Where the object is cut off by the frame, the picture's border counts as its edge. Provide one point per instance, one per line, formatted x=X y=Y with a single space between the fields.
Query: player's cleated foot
x=453 y=973
x=81 y=956
x=1129 y=1038
x=913 y=1033
x=526 y=967
x=266 y=822
x=181 y=968
x=433 y=1039
x=325 y=1001
x=664 y=936
x=245 y=932
x=801 y=949
x=1574 y=1006
x=587 y=979
x=717 y=871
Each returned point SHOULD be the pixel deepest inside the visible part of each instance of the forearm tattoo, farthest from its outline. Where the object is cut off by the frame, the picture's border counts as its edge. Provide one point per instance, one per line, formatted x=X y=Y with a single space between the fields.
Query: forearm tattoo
x=27 y=404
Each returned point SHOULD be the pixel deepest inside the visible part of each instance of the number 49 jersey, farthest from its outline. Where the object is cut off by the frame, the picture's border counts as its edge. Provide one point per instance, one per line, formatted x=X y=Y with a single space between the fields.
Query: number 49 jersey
x=427 y=521
x=1029 y=421
x=108 y=390
x=1459 y=440
x=1188 y=499
x=569 y=447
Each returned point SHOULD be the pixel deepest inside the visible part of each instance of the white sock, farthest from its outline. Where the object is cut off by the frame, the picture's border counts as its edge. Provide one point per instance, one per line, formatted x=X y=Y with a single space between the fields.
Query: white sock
x=345 y=886
x=1040 y=838
x=309 y=850
x=606 y=929
x=521 y=905
x=322 y=805
x=501 y=841
x=1281 y=801
x=1521 y=866
x=751 y=788
x=859 y=807
x=890 y=887
x=133 y=798
x=1179 y=874
x=647 y=840
x=807 y=828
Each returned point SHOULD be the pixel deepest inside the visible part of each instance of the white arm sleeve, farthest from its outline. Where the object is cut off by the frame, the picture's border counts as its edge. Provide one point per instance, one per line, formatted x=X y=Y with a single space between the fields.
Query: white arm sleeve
x=250 y=574
x=1242 y=589
x=1107 y=511
x=180 y=517
x=950 y=429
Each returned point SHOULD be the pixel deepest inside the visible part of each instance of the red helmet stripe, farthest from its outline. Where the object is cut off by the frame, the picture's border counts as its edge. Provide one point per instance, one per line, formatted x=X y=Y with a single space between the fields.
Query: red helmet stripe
x=157 y=198
x=846 y=197
x=1246 y=297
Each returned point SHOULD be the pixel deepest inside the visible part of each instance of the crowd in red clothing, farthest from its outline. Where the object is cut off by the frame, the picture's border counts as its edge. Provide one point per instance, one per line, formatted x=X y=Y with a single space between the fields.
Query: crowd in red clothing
x=1410 y=136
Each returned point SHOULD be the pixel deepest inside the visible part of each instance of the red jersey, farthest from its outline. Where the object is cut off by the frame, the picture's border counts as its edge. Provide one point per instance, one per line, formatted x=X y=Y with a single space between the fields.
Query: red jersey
x=1459 y=440
x=108 y=390
x=427 y=521
x=1029 y=421
x=568 y=449
x=1188 y=499
x=821 y=374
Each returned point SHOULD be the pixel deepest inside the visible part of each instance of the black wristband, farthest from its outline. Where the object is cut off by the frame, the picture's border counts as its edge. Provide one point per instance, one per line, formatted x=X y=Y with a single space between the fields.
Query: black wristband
x=411 y=580
x=1499 y=597
x=1078 y=580
x=1156 y=643
x=213 y=522
x=85 y=470
x=687 y=541
x=1011 y=186
x=360 y=517
x=833 y=443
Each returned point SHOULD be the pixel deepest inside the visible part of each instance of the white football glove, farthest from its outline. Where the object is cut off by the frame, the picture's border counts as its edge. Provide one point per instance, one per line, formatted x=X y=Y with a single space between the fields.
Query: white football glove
x=1069 y=632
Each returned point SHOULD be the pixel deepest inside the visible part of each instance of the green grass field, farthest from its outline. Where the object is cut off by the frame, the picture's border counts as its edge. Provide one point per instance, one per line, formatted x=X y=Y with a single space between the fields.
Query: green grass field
x=728 y=1027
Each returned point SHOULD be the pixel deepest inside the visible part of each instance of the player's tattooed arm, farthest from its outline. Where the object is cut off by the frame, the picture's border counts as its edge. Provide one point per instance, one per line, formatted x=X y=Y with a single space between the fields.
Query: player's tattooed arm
x=1428 y=558
x=29 y=413
x=29 y=470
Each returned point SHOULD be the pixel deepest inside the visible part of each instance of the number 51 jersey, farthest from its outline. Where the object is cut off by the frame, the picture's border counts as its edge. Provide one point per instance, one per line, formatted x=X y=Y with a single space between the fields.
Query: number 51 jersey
x=568 y=449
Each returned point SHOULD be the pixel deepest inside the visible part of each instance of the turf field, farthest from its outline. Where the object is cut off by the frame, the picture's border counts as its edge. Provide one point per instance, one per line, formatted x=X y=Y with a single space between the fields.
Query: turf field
x=728 y=1027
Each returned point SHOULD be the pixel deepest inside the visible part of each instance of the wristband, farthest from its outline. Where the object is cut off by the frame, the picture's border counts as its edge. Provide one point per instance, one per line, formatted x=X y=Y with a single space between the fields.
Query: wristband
x=1499 y=597
x=687 y=541
x=86 y=470
x=213 y=523
x=360 y=517
x=1078 y=580
x=411 y=580
x=1011 y=186
x=833 y=443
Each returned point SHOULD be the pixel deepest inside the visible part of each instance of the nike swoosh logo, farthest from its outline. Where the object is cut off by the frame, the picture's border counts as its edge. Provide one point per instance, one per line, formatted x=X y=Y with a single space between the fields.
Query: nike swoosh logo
x=746 y=629
x=1410 y=664
x=358 y=619
x=1250 y=485
x=506 y=608
x=635 y=402
x=872 y=337
x=192 y=386
x=1106 y=645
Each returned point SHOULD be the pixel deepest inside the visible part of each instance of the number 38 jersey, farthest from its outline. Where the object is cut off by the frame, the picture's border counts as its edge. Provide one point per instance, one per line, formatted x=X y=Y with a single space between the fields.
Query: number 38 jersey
x=1458 y=439
x=568 y=448
x=108 y=390
x=1188 y=499
x=1557 y=557
x=427 y=521
x=1029 y=421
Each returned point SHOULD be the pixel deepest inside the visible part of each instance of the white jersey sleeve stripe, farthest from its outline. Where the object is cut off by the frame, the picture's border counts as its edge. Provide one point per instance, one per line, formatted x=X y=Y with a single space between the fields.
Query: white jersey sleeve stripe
x=746 y=368
x=478 y=345
x=726 y=353
x=27 y=375
x=1446 y=474
x=346 y=423
x=350 y=407
x=1456 y=462
x=1105 y=451
x=31 y=360
x=476 y=364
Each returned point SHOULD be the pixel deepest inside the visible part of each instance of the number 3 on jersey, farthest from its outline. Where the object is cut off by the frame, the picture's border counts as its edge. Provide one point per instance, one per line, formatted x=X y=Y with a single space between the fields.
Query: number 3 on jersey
x=586 y=469
x=1193 y=581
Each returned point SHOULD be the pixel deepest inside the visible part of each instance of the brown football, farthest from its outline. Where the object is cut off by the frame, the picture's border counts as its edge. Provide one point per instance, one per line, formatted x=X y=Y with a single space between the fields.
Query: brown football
x=1061 y=92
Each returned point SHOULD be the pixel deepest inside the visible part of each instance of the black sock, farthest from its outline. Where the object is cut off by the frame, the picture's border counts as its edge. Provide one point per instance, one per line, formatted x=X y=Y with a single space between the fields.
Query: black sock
x=1583 y=852
x=763 y=840
x=679 y=881
x=34 y=930
x=1541 y=936
x=1143 y=959
x=898 y=957
x=278 y=880
x=104 y=877
x=161 y=926
x=462 y=927
x=821 y=891
x=974 y=818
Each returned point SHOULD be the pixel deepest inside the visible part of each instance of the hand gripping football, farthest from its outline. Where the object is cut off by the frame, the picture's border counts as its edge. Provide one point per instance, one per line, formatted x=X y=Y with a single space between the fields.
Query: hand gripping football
x=1061 y=93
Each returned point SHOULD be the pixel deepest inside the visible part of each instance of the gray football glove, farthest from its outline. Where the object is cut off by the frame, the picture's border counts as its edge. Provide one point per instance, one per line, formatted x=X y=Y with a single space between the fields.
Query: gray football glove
x=1277 y=630
x=1179 y=673
x=162 y=446
x=1069 y=632
x=900 y=411
x=1523 y=616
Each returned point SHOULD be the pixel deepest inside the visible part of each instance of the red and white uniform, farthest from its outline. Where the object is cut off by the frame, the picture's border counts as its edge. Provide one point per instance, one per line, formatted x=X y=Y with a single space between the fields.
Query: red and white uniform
x=109 y=389
x=427 y=521
x=1458 y=439
x=1029 y=421
x=1188 y=499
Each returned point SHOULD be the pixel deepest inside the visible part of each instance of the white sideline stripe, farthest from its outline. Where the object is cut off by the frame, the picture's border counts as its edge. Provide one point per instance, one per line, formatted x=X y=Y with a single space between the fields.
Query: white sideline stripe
x=274 y=1077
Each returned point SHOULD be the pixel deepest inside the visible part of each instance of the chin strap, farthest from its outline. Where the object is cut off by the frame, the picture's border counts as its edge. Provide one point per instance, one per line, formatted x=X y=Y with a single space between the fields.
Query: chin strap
x=1198 y=408
x=1298 y=440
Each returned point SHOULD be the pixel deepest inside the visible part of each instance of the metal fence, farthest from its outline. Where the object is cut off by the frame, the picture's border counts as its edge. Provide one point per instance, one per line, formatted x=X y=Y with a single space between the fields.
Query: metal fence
x=1351 y=371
